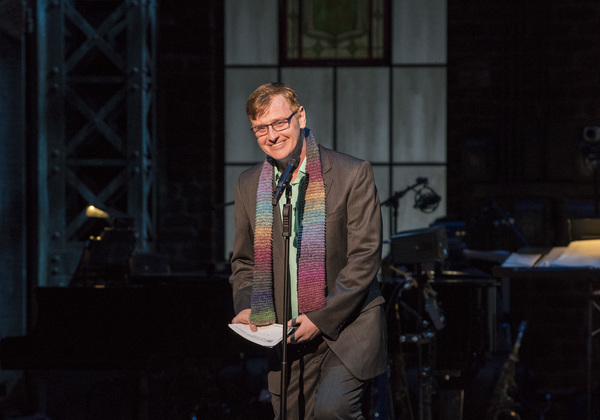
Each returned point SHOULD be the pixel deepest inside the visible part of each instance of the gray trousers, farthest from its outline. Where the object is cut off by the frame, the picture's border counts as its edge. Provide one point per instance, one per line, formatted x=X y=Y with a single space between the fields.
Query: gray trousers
x=320 y=387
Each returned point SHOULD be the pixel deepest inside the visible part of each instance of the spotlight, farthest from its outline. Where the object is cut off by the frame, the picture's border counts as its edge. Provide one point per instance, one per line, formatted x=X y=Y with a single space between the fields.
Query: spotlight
x=116 y=218
x=95 y=212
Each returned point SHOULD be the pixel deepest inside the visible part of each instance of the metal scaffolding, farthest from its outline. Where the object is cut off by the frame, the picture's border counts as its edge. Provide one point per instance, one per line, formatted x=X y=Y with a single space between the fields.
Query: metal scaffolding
x=96 y=124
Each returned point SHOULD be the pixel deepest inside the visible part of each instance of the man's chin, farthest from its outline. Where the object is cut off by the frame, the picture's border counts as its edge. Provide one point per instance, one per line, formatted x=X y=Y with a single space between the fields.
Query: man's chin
x=284 y=162
x=282 y=157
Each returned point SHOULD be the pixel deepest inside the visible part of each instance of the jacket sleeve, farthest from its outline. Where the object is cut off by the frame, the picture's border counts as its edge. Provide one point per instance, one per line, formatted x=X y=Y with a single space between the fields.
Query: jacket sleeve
x=354 y=227
x=242 y=259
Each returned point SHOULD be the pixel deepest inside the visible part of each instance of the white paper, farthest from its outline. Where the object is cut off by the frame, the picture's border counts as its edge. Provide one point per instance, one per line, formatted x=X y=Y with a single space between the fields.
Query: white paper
x=580 y=254
x=267 y=336
x=521 y=260
x=551 y=256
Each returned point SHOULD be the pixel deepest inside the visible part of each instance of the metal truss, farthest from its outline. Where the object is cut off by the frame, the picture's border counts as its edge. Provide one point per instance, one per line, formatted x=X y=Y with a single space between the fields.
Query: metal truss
x=96 y=124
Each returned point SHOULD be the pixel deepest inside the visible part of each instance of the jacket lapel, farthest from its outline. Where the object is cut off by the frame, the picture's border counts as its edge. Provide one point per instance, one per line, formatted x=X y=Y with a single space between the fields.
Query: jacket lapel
x=327 y=173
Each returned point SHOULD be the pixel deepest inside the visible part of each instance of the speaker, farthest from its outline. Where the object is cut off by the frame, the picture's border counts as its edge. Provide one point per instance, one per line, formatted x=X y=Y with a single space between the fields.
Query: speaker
x=419 y=246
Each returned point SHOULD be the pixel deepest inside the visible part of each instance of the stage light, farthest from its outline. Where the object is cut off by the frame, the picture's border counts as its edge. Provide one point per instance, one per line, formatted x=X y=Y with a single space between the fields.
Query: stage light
x=590 y=146
x=95 y=212
x=115 y=218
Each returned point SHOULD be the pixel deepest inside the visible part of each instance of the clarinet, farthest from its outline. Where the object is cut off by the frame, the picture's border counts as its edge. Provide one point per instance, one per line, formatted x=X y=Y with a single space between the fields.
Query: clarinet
x=503 y=405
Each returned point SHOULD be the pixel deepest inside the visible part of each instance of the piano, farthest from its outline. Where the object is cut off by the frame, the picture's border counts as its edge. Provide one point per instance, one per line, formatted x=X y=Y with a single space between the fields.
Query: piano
x=124 y=327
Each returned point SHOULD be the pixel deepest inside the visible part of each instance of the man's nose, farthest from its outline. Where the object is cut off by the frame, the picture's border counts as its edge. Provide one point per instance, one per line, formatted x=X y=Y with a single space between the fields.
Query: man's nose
x=272 y=135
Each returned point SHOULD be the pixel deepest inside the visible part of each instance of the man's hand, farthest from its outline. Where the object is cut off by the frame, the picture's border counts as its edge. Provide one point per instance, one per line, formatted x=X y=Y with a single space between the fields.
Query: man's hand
x=243 y=317
x=305 y=330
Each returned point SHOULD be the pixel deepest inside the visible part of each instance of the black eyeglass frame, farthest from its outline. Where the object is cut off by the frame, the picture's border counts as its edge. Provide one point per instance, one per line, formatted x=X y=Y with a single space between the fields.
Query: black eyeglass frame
x=266 y=126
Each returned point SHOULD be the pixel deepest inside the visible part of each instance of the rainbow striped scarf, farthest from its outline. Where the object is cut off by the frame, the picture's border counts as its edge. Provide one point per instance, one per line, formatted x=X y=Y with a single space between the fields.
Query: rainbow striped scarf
x=311 y=241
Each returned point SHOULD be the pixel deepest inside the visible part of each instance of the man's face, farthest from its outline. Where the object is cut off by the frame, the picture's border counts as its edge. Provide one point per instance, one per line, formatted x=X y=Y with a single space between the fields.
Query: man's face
x=281 y=144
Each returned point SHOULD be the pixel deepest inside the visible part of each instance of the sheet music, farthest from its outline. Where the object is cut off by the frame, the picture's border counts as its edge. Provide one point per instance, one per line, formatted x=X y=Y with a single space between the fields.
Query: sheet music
x=521 y=260
x=551 y=256
x=579 y=254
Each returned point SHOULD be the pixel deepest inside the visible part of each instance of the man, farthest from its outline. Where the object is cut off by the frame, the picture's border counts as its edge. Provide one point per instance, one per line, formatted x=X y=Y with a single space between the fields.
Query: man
x=335 y=253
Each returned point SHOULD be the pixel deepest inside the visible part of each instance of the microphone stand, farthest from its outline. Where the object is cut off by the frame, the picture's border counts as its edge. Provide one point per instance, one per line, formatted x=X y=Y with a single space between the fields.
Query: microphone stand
x=393 y=201
x=287 y=232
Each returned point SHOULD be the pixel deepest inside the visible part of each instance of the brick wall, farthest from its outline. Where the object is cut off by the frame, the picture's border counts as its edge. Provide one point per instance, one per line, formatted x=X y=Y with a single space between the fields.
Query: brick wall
x=190 y=125
x=523 y=82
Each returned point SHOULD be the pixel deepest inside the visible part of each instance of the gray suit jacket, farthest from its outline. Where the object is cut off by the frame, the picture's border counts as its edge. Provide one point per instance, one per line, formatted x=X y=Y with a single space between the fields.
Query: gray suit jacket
x=352 y=321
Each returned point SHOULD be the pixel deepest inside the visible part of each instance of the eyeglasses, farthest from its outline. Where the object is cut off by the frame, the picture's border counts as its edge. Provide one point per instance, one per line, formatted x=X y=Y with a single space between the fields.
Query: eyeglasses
x=279 y=125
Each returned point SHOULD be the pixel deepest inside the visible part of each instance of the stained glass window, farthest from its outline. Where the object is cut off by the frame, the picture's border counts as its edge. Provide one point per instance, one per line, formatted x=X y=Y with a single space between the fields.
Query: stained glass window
x=335 y=31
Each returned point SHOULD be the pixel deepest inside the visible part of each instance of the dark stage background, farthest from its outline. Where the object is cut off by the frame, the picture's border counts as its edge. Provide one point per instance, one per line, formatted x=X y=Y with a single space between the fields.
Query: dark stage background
x=523 y=83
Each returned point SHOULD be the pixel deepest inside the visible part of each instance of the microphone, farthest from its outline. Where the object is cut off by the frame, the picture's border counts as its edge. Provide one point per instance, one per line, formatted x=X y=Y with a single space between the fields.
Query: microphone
x=285 y=179
x=420 y=180
x=427 y=201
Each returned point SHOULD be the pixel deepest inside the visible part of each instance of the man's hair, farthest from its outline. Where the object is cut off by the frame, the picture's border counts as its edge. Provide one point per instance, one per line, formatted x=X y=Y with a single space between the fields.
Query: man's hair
x=259 y=101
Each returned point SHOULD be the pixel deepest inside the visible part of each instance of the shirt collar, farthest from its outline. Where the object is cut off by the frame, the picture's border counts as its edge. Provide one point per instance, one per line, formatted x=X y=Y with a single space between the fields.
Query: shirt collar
x=301 y=172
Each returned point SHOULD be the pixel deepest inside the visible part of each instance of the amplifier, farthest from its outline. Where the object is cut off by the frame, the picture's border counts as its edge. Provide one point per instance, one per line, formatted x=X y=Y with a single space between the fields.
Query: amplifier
x=419 y=246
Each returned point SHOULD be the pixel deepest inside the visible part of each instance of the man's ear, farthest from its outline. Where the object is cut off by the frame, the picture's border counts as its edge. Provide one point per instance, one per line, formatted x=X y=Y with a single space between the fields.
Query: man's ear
x=302 y=117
